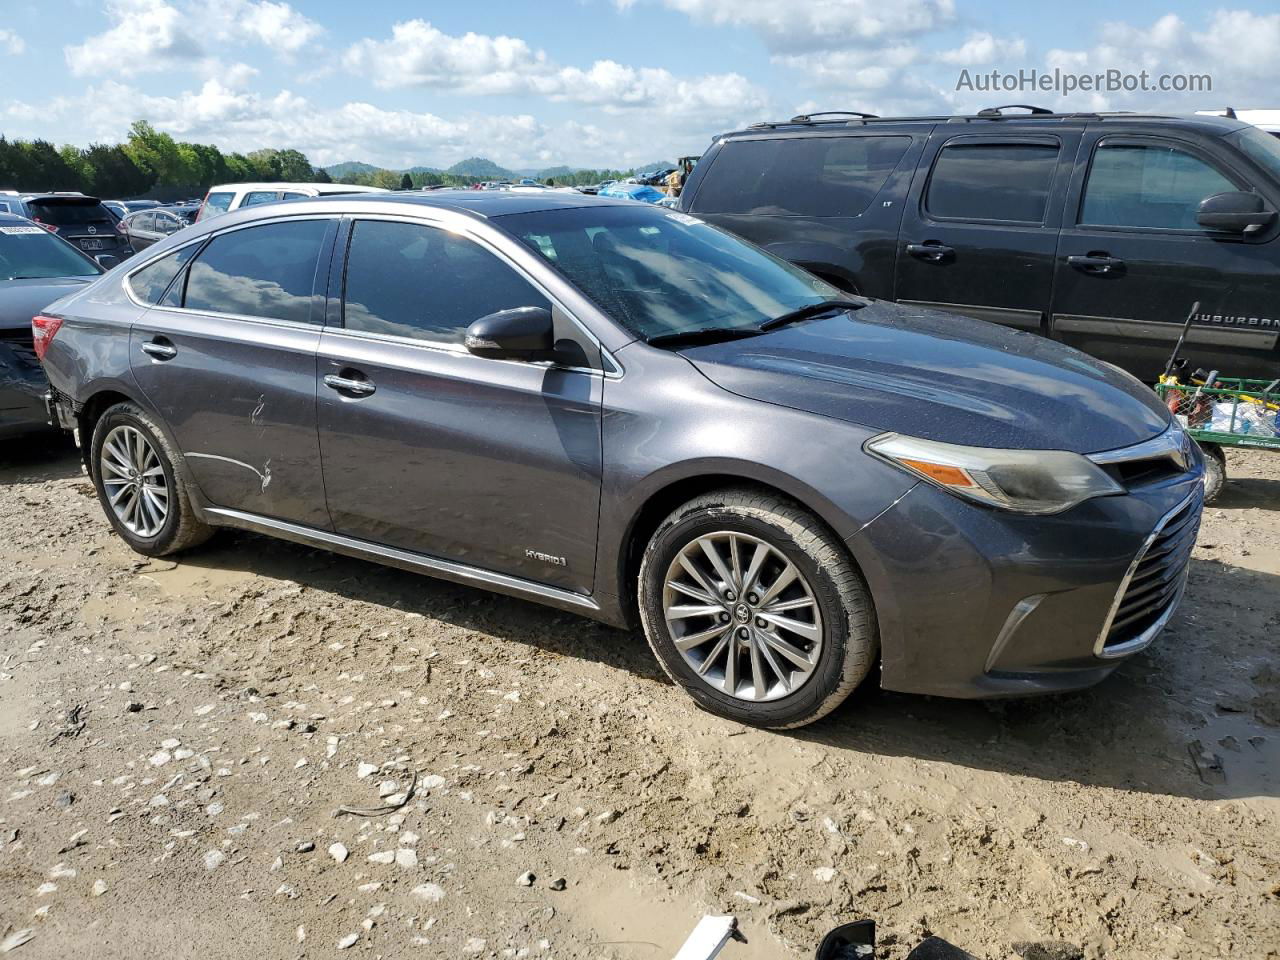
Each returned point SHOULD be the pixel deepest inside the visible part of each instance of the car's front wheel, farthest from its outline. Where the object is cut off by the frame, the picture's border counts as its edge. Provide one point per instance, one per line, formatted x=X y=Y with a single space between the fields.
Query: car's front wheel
x=139 y=485
x=754 y=606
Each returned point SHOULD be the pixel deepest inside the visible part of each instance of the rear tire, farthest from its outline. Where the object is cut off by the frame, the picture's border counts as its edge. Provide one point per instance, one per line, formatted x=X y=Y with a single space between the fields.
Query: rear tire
x=140 y=487
x=774 y=657
x=1215 y=471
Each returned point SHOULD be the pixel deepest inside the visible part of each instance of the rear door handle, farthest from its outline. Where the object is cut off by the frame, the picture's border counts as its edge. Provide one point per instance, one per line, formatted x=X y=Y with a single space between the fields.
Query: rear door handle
x=1096 y=263
x=930 y=252
x=159 y=349
x=360 y=388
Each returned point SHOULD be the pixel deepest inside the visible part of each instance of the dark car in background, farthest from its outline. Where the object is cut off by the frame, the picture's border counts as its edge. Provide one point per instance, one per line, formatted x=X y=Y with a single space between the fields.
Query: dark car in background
x=1098 y=230
x=36 y=268
x=122 y=208
x=626 y=413
x=146 y=227
x=80 y=220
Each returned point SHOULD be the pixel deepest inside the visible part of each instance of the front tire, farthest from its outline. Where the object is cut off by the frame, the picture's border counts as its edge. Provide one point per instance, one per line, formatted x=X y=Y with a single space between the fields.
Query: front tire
x=139 y=485
x=1215 y=470
x=755 y=608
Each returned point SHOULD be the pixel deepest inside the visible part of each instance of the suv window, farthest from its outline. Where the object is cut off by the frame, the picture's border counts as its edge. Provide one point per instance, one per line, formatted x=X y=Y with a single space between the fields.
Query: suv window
x=799 y=177
x=410 y=280
x=992 y=181
x=218 y=202
x=60 y=213
x=254 y=197
x=267 y=271
x=150 y=283
x=1131 y=185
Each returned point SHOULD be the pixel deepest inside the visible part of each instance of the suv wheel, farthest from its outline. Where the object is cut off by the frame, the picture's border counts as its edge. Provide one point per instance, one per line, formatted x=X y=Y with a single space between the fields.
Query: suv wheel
x=139 y=486
x=755 y=608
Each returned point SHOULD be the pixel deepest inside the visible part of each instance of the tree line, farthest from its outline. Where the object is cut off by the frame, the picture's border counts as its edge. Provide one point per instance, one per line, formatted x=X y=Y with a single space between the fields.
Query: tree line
x=146 y=160
x=416 y=180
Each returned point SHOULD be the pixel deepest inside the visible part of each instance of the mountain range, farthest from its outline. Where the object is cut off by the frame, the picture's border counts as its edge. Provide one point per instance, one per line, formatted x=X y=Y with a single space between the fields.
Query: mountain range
x=474 y=167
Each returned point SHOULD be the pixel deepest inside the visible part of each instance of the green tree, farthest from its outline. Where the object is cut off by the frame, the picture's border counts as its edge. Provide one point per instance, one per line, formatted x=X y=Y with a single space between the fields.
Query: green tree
x=406 y=182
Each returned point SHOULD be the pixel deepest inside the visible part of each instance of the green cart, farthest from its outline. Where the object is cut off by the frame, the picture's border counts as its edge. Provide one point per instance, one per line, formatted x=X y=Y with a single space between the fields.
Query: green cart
x=1223 y=412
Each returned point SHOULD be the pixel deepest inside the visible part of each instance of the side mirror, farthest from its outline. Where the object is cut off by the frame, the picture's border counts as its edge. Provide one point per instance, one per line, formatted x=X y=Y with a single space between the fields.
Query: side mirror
x=1234 y=212
x=106 y=261
x=521 y=333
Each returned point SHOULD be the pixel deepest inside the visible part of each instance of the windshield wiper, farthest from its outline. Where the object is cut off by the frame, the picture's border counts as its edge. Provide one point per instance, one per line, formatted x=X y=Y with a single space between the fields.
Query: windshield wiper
x=807 y=311
x=688 y=338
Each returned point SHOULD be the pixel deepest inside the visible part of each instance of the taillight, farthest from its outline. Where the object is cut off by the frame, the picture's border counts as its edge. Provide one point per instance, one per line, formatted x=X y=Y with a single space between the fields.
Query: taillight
x=51 y=227
x=200 y=213
x=121 y=228
x=43 y=330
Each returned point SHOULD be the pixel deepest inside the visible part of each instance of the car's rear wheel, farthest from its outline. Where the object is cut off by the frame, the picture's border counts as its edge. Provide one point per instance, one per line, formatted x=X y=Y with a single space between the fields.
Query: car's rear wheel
x=139 y=486
x=754 y=606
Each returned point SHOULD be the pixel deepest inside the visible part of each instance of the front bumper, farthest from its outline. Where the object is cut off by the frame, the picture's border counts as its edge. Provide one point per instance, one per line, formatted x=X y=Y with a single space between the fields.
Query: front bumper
x=977 y=602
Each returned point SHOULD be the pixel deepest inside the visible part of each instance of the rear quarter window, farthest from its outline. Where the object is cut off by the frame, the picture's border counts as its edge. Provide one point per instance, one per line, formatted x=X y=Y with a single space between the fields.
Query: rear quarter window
x=150 y=283
x=799 y=176
x=992 y=181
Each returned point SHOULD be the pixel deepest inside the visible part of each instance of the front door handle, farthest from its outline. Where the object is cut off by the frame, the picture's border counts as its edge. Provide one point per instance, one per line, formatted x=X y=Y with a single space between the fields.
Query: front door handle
x=160 y=349
x=360 y=388
x=930 y=252
x=1098 y=263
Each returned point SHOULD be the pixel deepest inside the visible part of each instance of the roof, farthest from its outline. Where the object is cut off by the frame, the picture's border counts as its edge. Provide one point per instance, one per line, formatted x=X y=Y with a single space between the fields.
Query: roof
x=297 y=185
x=490 y=203
x=1212 y=125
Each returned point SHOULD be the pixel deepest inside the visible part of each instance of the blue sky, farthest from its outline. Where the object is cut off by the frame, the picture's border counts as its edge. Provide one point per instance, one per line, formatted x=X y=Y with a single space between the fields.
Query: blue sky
x=594 y=82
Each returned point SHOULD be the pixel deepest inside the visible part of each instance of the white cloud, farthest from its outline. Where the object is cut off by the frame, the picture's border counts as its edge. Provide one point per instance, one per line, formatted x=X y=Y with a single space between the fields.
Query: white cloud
x=160 y=35
x=795 y=25
x=981 y=49
x=420 y=55
x=11 y=43
x=1239 y=49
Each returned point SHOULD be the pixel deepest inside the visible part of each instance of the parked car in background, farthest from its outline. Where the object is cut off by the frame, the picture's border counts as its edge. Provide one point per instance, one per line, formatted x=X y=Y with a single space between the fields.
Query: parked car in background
x=783 y=483
x=81 y=220
x=150 y=226
x=1098 y=230
x=122 y=208
x=36 y=268
x=186 y=212
x=10 y=202
x=232 y=196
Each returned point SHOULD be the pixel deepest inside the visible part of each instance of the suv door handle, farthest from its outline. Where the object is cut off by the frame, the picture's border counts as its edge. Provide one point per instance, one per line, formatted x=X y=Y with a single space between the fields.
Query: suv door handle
x=160 y=349
x=930 y=252
x=1096 y=263
x=361 y=388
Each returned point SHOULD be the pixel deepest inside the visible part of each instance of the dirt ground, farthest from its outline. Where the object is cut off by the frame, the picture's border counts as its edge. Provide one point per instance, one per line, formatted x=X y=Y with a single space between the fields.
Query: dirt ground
x=176 y=738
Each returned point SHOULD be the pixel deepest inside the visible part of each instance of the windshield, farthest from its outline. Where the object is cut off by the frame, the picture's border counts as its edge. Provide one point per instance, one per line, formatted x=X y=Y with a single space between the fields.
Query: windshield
x=660 y=273
x=28 y=251
x=1260 y=147
x=63 y=214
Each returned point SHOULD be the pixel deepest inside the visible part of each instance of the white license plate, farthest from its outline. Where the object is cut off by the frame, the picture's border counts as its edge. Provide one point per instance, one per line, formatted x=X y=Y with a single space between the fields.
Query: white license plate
x=90 y=244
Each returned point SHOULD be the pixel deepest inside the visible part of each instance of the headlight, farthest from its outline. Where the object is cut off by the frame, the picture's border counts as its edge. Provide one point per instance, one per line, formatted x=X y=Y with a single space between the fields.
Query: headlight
x=1024 y=481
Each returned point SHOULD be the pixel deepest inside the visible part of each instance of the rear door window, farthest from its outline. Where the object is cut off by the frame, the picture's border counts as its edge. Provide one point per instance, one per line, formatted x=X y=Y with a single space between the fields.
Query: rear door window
x=255 y=197
x=992 y=181
x=267 y=271
x=411 y=280
x=142 y=222
x=218 y=202
x=799 y=176
x=150 y=283
x=1151 y=185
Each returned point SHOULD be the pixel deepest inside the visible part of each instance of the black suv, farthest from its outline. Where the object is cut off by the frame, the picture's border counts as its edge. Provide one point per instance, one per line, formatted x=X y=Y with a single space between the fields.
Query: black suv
x=82 y=221
x=1099 y=230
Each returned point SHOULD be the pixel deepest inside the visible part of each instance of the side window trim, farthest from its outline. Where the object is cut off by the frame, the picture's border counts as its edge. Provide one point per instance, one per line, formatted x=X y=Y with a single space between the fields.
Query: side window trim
x=1226 y=171
x=606 y=364
x=128 y=285
x=1037 y=140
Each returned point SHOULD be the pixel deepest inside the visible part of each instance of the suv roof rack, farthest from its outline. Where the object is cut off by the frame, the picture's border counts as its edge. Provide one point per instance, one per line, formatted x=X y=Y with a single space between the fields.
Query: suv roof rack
x=808 y=117
x=999 y=111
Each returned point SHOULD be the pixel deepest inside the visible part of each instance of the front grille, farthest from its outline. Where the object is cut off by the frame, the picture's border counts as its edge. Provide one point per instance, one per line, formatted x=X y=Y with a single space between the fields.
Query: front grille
x=1156 y=578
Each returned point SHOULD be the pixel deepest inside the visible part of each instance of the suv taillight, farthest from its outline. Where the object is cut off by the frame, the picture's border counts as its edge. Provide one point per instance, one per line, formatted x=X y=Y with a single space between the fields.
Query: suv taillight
x=200 y=213
x=51 y=227
x=43 y=330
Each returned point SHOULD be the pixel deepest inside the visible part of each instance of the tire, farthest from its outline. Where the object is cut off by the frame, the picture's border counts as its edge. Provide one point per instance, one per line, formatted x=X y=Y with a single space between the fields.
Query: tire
x=1215 y=470
x=148 y=532
x=830 y=617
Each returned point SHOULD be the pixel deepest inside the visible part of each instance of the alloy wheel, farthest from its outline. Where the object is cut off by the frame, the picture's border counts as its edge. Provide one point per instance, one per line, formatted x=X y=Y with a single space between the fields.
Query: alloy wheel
x=742 y=616
x=134 y=480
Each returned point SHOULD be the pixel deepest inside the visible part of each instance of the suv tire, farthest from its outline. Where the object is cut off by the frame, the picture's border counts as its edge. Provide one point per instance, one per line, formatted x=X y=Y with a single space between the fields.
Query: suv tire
x=133 y=464
x=824 y=613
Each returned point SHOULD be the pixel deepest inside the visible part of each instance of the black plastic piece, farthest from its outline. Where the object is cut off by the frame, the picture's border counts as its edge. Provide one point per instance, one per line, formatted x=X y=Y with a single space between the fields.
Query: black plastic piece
x=850 y=941
x=808 y=117
x=935 y=948
x=998 y=111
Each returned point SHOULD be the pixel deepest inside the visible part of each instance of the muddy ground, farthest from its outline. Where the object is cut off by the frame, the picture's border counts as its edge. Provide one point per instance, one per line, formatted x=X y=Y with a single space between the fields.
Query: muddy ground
x=175 y=739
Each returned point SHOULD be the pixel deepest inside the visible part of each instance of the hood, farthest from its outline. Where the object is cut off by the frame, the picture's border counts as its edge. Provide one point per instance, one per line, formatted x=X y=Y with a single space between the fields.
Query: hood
x=941 y=377
x=20 y=300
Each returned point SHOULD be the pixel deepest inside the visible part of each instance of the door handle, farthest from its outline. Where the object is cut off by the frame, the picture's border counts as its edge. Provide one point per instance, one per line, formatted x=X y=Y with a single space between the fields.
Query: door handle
x=930 y=252
x=1096 y=263
x=159 y=349
x=361 y=388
